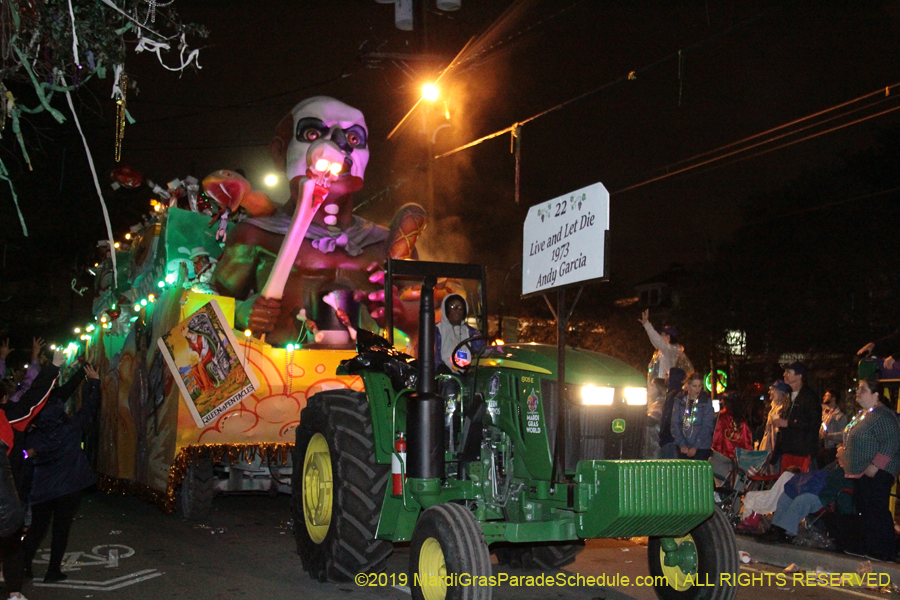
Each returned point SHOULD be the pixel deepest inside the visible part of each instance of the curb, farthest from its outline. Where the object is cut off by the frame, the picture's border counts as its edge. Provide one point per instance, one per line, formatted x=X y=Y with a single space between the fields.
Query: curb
x=810 y=559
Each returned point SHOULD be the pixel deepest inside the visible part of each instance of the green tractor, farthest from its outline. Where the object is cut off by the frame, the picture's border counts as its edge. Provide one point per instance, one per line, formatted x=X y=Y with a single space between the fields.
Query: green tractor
x=497 y=460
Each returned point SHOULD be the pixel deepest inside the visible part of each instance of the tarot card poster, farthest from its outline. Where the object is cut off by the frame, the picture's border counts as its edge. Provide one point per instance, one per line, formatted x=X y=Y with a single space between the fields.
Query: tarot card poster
x=209 y=369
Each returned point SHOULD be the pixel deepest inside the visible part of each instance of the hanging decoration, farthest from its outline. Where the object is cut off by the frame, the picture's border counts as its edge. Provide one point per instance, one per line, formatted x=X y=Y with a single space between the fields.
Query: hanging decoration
x=4 y=175
x=44 y=44
x=125 y=177
x=74 y=36
x=87 y=151
x=120 y=87
x=153 y=5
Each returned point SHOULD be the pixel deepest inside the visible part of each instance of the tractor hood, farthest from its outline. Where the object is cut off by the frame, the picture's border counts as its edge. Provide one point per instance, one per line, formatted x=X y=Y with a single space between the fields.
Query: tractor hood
x=582 y=366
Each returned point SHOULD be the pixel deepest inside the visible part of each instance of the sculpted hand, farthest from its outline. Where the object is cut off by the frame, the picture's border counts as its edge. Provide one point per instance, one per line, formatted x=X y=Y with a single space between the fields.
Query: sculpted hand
x=375 y=300
x=264 y=313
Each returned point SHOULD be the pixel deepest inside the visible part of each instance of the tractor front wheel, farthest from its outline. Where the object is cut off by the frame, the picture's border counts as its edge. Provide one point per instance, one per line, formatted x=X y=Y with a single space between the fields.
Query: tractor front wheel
x=448 y=557
x=337 y=488
x=704 y=554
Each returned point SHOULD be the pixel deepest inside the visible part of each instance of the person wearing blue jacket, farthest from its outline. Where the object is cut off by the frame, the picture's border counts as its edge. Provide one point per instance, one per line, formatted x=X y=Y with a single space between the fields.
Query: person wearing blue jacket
x=61 y=473
x=693 y=420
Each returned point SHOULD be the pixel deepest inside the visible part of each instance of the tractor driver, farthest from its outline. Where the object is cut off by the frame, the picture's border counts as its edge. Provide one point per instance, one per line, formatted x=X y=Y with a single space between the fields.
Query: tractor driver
x=450 y=332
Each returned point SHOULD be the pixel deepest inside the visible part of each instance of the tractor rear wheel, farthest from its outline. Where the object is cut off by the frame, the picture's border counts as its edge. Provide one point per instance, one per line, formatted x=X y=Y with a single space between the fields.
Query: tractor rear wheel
x=538 y=556
x=337 y=488
x=197 y=490
x=711 y=547
x=448 y=547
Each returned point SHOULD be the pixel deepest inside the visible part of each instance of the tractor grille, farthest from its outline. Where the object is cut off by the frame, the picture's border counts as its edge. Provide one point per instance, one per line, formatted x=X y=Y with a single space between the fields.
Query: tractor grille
x=588 y=429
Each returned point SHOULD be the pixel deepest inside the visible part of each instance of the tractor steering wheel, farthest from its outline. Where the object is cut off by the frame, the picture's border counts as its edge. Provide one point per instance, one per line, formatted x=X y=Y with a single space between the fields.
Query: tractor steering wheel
x=453 y=357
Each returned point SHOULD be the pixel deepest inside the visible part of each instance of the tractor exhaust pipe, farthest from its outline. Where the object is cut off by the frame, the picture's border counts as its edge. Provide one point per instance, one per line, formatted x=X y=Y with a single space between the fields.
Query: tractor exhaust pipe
x=425 y=413
x=425 y=383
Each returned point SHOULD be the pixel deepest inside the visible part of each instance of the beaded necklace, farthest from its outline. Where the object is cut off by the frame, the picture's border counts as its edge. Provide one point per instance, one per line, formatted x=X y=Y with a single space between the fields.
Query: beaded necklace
x=790 y=406
x=690 y=415
x=858 y=418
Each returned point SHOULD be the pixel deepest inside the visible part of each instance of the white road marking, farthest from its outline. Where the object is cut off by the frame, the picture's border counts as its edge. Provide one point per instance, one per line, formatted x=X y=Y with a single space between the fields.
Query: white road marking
x=103 y=586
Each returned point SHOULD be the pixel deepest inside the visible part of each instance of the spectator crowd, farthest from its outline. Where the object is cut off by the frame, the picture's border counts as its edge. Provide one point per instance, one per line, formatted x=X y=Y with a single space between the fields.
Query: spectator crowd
x=824 y=473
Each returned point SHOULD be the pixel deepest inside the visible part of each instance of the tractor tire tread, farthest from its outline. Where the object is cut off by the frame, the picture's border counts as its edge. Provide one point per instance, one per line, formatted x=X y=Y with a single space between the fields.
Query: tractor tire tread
x=539 y=556
x=343 y=418
x=197 y=490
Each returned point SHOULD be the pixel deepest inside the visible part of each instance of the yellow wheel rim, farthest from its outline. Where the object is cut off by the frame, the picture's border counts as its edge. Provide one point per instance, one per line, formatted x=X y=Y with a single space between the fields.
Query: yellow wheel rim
x=318 y=488
x=432 y=570
x=675 y=577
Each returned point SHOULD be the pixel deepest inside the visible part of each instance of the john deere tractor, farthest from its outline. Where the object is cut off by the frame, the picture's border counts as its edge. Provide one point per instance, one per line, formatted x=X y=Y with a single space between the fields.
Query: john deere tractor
x=498 y=459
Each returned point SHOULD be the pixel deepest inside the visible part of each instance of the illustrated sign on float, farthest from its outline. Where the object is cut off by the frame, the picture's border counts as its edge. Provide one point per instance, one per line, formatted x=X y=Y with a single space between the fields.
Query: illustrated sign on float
x=203 y=356
x=564 y=240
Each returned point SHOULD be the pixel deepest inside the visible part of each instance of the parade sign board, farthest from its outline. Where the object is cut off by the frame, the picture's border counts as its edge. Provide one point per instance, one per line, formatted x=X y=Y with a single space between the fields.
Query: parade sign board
x=564 y=240
x=210 y=371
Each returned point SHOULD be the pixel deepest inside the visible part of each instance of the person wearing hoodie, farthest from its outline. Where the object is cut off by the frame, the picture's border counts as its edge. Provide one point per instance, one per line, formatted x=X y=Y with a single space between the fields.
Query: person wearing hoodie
x=61 y=473
x=675 y=381
x=450 y=331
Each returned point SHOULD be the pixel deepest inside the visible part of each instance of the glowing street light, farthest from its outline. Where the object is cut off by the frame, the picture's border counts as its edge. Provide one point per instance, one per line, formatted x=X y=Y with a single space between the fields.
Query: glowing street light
x=430 y=92
x=271 y=180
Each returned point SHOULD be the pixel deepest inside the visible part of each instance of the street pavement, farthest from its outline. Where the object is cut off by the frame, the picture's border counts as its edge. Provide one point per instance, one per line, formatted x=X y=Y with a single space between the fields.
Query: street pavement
x=122 y=548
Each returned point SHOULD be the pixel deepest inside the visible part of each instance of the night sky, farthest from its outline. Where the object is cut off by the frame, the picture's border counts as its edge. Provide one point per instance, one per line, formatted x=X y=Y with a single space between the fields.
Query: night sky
x=705 y=74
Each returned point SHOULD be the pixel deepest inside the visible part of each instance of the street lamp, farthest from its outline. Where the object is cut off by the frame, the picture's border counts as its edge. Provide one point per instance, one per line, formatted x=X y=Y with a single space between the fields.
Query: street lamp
x=431 y=93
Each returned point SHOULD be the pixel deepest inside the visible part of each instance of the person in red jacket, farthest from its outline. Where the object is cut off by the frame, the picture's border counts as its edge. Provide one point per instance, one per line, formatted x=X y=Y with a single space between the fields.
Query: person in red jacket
x=732 y=431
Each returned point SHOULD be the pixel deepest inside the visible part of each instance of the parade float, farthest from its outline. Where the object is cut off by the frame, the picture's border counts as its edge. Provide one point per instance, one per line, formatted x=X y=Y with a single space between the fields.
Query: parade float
x=203 y=380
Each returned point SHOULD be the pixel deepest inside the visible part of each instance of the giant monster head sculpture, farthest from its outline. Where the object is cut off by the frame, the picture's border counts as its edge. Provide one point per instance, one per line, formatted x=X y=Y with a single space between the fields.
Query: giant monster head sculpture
x=318 y=118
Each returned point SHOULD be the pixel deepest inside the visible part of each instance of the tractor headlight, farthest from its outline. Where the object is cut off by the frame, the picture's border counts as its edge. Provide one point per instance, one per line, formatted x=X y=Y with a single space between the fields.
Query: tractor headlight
x=597 y=396
x=635 y=396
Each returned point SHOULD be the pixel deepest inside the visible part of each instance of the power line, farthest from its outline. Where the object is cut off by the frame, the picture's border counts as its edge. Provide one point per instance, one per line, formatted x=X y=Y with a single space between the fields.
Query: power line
x=766 y=151
x=248 y=103
x=824 y=206
x=204 y=147
x=885 y=91
x=633 y=74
